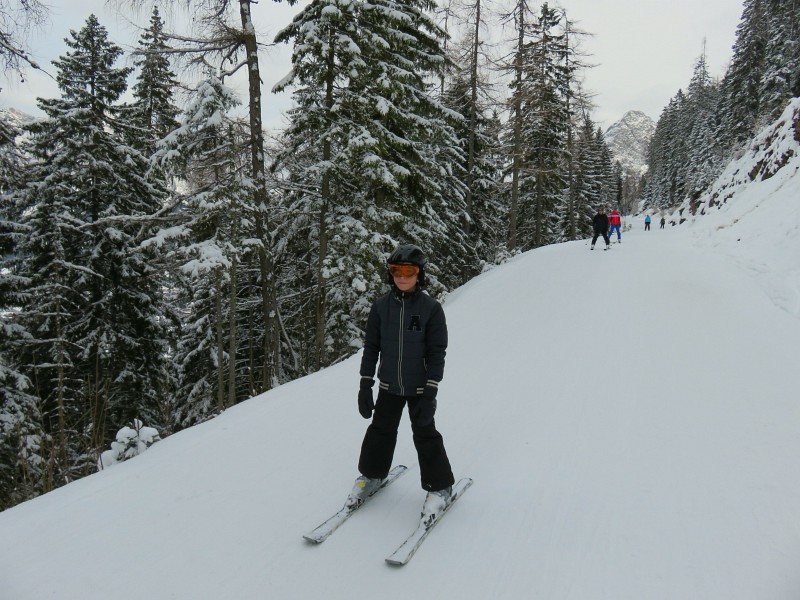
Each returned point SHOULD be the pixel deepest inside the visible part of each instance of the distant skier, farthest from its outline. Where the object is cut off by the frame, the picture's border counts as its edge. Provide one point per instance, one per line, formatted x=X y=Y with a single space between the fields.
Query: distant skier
x=663 y=222
x=407 y=330
x=647 y=223
x=614 y=222
x=600 y=226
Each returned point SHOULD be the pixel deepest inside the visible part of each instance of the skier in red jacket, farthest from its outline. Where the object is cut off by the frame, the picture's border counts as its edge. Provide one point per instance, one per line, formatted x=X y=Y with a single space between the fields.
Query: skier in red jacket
x=614 y=222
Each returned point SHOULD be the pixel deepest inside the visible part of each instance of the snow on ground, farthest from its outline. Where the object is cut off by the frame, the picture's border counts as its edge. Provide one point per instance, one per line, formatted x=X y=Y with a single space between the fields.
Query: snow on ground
x=631 y=420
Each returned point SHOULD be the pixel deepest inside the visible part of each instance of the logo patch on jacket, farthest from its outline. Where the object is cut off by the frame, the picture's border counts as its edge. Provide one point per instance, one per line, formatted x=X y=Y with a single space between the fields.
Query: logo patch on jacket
x=415 y=324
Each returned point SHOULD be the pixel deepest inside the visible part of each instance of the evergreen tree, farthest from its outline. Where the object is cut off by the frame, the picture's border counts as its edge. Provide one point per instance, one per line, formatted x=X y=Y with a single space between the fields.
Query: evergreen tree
x=740 y=104
x=225 y=36
x=468 y=91
x=703 y=160
x=545 y=91
x=21 y=473
x=595 y=185
x=94 y=307
x=607 y=176
x=153 y=113
x=208 y=247
x=520 y=16
x=780 y=79
x=371 y=156
x=668 y=156
x=10 y=158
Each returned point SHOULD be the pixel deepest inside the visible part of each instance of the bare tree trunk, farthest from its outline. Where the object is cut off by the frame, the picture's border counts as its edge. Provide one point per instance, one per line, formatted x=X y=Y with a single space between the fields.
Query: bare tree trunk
x=232 y=342
x=321 y=308
x=62 y=412
x=251 y=360
x=517 y=125
x=98 y=404
x=571 y=225
x=220 y=341
x=272 y=365
x=538 y=235
x=473 y=117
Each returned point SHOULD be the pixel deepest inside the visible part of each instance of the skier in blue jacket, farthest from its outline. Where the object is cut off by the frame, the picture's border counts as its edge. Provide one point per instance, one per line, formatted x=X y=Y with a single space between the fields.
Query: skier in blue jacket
x=407 y=331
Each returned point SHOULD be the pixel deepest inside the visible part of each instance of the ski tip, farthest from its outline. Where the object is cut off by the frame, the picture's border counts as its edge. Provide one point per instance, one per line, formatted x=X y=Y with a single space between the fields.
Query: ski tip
x=312 y=540
x=464 y=483
x=395 y=563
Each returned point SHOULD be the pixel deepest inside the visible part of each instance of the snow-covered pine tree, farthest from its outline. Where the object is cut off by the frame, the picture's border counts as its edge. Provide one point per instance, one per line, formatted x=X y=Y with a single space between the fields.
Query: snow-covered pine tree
x=405 y=139
x=324 y=211
x=142 y=123
x=546 y=121
x=486 y=209
x=780 y=79
x=373 y=151
x=209 y=247
x=578 y=104
x=591 y=176
x=468 y=91
x=10 y=158
x=608 y=177
x=740 y=104
x=686 y=151
x=704 y=160
x=21 y=472
x=152 y=114
x=130 y=442
x=52 y=300
x=519 y=16
x=668 y=156
x=225 y=37
x=98 y=356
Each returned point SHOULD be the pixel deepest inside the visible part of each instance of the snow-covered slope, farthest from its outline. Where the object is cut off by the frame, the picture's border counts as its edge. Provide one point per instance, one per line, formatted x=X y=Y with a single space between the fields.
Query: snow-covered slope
x=630 y=419
x=752 y=212
x=629 y=139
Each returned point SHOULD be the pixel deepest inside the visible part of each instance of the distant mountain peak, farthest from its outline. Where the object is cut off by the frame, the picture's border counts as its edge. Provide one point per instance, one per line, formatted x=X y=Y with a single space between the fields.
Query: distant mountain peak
x=629 y=139
x=15 y=117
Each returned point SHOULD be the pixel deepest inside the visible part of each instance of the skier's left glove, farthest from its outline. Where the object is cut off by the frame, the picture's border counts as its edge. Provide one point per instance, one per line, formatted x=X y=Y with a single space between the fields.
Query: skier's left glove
x=365 y=402
x=426 y=407
x=430 y=390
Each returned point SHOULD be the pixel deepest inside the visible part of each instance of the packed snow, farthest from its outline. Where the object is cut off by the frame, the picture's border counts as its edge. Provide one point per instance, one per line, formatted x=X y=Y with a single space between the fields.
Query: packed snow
x=631 y=419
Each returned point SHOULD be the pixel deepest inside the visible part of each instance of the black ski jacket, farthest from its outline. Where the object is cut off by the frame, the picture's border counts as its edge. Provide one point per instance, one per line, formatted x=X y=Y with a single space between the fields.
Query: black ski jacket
x=409 y=332
x=600 y=223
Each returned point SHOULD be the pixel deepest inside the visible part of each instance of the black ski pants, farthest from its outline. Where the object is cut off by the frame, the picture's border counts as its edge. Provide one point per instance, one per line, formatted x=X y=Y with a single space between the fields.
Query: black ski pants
x=597 y=234
x=377 y=449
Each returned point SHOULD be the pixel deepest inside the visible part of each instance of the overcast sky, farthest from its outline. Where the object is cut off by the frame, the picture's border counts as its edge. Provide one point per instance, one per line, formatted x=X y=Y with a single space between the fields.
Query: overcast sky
x=644 y=50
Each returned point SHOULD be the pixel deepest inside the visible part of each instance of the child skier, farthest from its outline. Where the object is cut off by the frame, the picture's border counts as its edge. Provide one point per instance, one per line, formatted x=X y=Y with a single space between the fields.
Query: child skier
x=406 y=329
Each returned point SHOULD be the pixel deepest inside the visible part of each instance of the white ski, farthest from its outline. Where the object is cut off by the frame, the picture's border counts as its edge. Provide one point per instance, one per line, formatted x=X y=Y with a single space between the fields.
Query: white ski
x=407 y=549
x=321 y=533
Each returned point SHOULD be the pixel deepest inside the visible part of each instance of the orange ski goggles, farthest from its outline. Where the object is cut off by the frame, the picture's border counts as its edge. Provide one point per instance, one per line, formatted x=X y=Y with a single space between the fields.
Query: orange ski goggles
x=403 y=270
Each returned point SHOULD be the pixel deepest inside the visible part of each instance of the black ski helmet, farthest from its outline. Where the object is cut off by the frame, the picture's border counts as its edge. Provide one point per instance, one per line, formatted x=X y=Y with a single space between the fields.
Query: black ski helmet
x=411 y=255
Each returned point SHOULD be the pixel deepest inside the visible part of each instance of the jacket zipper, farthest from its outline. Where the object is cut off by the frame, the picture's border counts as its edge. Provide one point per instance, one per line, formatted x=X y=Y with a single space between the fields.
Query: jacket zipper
x=400 y=349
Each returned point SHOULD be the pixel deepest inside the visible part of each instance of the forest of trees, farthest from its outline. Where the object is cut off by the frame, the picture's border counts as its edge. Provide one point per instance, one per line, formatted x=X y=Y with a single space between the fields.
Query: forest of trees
x=711 y=121
x=163 y=260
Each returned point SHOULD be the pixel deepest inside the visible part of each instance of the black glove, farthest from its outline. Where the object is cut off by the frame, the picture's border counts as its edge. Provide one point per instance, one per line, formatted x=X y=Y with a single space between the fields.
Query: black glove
x=430 y=390
x=365 y=402
x=426 y=406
